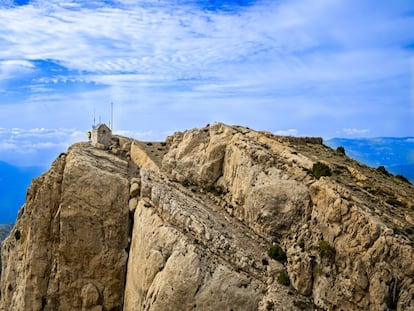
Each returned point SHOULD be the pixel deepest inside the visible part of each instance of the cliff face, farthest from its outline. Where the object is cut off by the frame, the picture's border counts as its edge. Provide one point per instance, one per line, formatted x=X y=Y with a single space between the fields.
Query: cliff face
x=187 y=225
x=4 y=232
x=67 y=250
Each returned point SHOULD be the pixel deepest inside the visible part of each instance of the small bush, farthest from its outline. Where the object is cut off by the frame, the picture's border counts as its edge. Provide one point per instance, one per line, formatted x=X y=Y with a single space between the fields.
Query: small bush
x=216 y=190
x=277 y=253
x=320 y=169
x=283 y=278
x=186 y=183
x=302 y=245
x=402 y=178
x=383 y=170
x=317 y=271
x=340 y=150
x=326 y=250
x=395 y=202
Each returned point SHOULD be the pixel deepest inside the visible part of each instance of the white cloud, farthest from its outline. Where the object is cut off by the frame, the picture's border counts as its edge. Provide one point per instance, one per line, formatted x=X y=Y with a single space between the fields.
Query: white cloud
x=355 y=132
x=37 y=146
x=14 y=68
x=317 y=66
x=289 y=132
x=176 y=42
x=140 y=135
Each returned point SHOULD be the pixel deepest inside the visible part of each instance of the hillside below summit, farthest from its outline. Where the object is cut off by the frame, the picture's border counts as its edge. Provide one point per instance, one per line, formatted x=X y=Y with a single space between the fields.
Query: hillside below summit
x=222 y=218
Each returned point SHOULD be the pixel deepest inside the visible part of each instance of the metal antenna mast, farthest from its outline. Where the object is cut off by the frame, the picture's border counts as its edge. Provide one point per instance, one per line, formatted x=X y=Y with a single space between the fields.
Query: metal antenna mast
x=94 y=119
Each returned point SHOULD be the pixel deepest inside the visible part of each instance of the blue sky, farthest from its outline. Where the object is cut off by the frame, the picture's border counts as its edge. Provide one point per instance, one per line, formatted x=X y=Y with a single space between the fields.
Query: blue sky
x=330 y=68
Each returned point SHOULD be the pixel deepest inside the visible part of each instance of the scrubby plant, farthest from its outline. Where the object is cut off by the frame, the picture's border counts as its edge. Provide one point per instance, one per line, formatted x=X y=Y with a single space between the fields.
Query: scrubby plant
x=340 y=150
x=276 y=252
x=383 y=170
x=320 y=169
x=317 y=271
x=283 y=278
x=216 y=190
x=394 y=202
x=302 y=245
x=326 y=250
x=186 y=183
x=402 y=178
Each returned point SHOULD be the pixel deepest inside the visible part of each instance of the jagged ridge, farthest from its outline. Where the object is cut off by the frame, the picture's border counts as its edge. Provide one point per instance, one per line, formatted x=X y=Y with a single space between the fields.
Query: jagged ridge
x=187 y=224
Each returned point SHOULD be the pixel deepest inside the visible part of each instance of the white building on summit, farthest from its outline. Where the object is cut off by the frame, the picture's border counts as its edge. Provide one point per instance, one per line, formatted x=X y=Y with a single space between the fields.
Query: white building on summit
x=101 y=136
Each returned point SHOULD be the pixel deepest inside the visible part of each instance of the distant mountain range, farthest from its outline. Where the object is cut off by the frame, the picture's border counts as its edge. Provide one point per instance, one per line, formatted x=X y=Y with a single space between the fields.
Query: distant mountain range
x=4 y=231
x=395 y=154
x=13 y=184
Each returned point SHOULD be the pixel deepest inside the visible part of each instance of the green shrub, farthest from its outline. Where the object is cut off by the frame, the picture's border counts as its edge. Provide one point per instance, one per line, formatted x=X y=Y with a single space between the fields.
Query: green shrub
x=186 y=183
x=320 y=169
x=326 y=250
x=383 y=170
x=216 y=190
x=317 y=271
x=395 y=202
x=302 y=245
x=340 y=150
x=277 y=253
x=402 y=178
x=283 y=278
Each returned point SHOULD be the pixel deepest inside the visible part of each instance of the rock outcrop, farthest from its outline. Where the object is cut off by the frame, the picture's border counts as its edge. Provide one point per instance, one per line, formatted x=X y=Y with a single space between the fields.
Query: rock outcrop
x=197 y=222
x=4 y=232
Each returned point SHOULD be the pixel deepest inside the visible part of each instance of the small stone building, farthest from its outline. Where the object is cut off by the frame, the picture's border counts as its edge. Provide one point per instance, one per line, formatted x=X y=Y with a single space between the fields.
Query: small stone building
x=101 y=136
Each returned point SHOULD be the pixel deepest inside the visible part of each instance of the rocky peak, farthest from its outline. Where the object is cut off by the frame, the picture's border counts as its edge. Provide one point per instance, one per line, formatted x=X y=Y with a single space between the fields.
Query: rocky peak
x=220 y=218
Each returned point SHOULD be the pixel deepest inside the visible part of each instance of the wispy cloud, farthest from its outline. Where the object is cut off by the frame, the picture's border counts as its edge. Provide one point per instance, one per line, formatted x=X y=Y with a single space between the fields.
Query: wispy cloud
x=310 y=65
x=37 y=146
x=355 y=132
x=289 y=132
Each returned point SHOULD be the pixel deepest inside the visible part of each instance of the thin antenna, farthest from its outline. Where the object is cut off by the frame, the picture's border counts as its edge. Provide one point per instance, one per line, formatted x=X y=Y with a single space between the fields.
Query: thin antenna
x=94 y=119
x=99 y=119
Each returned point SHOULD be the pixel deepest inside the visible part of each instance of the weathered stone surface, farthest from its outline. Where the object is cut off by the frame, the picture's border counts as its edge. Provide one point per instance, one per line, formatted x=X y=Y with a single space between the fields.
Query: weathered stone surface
x=73 y=232
x=187 y=255
x=134 y=191
x=90 y=295
x=187 y=224
x=265 y=181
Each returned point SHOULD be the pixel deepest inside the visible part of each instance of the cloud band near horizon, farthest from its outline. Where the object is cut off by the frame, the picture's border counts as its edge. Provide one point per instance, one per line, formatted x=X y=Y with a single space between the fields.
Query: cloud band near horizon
x=309 y=67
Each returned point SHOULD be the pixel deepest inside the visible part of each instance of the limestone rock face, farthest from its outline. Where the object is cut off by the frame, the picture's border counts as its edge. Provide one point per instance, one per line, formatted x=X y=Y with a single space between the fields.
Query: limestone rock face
x=70 y=250
x=189 y=224
x=348 y=237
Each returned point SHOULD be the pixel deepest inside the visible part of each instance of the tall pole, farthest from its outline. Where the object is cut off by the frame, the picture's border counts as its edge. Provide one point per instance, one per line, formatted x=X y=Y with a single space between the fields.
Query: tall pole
x=94 y=119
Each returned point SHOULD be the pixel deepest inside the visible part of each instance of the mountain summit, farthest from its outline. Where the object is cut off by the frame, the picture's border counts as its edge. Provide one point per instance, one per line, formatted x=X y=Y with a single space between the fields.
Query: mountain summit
x=220 y=218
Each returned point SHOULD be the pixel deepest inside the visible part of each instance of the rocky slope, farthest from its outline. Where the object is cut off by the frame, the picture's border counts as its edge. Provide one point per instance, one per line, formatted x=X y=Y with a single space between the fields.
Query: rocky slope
x=188 y=225
x=4 y=232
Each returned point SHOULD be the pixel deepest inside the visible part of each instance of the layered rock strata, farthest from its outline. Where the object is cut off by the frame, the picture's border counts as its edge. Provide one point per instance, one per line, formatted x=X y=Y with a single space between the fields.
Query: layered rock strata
x=188 y=225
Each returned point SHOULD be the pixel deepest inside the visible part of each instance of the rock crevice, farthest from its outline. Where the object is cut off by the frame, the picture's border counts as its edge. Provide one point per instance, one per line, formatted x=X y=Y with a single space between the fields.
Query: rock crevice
x=188 y=225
